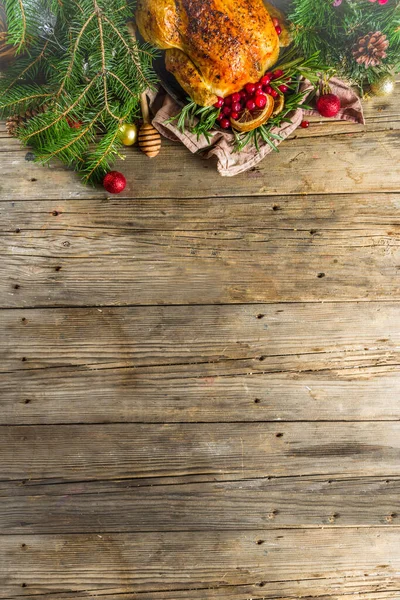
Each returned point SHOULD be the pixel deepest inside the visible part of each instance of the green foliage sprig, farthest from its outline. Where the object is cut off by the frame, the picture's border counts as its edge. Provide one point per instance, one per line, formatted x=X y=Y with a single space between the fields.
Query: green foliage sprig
x=334 y=28
x=202 y=120
x=79 y=59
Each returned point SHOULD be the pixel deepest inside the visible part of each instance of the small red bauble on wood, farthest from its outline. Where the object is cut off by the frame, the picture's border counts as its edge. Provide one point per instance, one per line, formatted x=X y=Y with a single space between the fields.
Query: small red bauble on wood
x=114 y=182
x=328 y=105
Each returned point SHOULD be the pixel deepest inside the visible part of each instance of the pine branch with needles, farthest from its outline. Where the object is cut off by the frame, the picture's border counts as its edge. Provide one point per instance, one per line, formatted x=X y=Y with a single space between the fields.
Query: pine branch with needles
x=80 y=61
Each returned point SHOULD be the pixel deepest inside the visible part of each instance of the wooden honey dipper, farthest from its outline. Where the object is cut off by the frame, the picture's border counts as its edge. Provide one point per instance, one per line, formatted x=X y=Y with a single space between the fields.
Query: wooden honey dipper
x=149 y=137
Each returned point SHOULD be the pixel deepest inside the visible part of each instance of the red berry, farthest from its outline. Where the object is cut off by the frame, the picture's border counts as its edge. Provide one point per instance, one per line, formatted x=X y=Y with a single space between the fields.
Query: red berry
x=225 y=123
x=274 y=93
x=250 y=88
x=236 y=97
x=260 y=101
x=305 y=124
x=259 y=86
x=235 y=115
x=265 y=80
x=236 y=107
x=277 y=74
x=243 y=94
x=219 y=103
x=228 y=100
x=226 y=110
x=268 y=90
x=114 y=182
x=250 y=105
x=275 y=22
x=328 y=105
x=278 y=29
x=283 y=88
x=220 y=116
x=260 y=92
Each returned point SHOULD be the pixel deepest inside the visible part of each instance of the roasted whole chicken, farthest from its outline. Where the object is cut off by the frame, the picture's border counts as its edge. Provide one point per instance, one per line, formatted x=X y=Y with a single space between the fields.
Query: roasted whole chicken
x=213 y=47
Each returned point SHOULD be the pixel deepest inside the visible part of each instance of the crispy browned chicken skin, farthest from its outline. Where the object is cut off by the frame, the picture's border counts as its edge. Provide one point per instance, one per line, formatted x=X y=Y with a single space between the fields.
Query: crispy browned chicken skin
x=214 y=47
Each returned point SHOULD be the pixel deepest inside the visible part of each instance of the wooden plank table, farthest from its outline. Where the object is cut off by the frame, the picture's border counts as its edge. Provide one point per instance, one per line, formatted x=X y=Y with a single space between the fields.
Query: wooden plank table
x=199 y=379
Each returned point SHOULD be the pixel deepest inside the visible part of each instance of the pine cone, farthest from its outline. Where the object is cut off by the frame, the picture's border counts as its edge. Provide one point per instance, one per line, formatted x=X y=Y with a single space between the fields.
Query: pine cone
x=370 y=50
x=13 y=123
x=16 y=121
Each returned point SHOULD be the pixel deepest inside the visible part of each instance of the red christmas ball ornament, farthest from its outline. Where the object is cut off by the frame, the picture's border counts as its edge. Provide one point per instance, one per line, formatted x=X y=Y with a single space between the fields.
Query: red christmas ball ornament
x=328 y=105
x=114 y=182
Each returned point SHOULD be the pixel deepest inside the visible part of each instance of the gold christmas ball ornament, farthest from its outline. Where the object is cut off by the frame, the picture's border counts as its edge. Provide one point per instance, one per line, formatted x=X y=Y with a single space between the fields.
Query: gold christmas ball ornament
x=128 y=134
x=383 y=86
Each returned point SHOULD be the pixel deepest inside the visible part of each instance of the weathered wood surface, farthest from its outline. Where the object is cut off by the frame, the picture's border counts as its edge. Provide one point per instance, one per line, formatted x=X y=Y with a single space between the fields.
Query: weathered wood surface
x=208 y=392
x=192 y=560
x=243 y=442
x=202 y=452
x=127 y=506
x=171 y=252
x=221 y=363
x=358 y=158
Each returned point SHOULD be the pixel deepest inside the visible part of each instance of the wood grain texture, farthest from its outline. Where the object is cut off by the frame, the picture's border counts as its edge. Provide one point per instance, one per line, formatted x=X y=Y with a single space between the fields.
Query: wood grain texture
x=127 y=506
x=196 y=363
x=203 y=452
x=241 y=251
x=357 y=161
x=222 y=391
x=170 y=561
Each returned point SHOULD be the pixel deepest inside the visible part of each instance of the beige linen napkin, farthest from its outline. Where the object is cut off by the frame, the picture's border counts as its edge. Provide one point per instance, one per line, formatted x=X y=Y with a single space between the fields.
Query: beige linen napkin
x=221 y=146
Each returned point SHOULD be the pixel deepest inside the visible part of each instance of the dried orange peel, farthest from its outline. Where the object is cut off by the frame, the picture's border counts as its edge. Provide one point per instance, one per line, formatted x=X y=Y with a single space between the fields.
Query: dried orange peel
x=251 y=120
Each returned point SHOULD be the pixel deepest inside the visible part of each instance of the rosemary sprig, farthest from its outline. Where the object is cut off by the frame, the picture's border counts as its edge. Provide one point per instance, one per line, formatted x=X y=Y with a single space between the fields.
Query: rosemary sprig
x=200 y=120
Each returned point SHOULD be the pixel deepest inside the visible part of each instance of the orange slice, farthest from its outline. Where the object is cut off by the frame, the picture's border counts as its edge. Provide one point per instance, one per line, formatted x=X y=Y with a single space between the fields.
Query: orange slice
x=251 y=120
x=278 y=105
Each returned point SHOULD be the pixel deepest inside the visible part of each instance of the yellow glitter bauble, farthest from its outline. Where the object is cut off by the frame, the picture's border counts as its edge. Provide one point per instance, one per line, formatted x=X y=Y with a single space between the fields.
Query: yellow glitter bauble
x=383 y=86
x=128 y=134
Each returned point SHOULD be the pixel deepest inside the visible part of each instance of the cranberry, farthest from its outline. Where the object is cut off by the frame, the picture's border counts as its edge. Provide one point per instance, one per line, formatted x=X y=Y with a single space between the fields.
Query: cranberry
x=278 y=29
x=265 y=80
x=259 y=86
x=274 y=93
x=283 y=88
x=236 y=97
x=243 y=94
x=225 y=123
x=277 y=74
x=235 y=116
x=268 y=90
x=226 y=110
x=250 y=105
x=219 y=103
x=275 y=22
x=260 y=101
x=236 y=107
x=250 y=88
x=220 y=116
x=305 y=124
x=228 y=100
